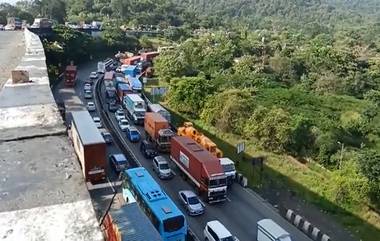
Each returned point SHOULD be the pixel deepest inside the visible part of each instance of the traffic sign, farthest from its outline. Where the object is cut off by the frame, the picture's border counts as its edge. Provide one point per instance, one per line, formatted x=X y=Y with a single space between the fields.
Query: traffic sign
x=240 y=147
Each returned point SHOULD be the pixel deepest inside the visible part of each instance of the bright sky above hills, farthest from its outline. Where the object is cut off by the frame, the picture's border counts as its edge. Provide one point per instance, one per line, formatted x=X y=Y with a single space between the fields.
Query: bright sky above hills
x=8 y=1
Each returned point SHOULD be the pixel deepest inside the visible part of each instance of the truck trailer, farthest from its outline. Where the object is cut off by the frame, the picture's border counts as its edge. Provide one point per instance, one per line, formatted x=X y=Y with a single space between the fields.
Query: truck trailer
x=201 y=167
x=157 y=108
x=158 y=131
x=89 y=146
x=136 y=107
x=70 y=75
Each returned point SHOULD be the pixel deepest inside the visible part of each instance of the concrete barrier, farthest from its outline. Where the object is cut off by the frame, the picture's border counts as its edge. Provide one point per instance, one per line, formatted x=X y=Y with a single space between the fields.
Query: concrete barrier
x=306 y=227
x=316 y=234
x=298 y=221
x=325 y=238
x=290 y=215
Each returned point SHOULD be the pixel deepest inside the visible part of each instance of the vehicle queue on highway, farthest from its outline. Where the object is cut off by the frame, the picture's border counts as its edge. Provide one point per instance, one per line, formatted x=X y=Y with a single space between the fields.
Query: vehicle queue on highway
x=127 y=106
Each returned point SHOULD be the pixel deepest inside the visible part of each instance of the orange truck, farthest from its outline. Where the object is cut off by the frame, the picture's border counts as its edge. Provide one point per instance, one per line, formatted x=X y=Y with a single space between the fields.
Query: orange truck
x=158 y=131
x=70 y=75
x=188 y=130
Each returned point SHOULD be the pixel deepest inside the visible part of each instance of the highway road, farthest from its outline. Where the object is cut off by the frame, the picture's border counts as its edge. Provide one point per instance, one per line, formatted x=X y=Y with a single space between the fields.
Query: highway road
x=239 y=213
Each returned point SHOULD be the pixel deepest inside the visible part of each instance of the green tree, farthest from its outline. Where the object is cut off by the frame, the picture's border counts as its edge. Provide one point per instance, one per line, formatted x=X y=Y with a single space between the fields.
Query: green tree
x=189 y=94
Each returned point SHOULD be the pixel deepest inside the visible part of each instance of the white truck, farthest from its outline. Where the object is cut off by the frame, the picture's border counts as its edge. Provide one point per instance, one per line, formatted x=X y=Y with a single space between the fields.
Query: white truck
x=136 y=107
x=229 y=169
x=101 y=67
x=268 y=230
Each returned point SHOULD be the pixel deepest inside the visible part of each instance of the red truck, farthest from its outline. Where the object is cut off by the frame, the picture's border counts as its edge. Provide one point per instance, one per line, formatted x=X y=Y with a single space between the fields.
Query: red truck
x=201 y=167
x=122 y=90
x=89 y=146
x=131 y=60
x=149 y=56
x=158 y=131
x=70 y=75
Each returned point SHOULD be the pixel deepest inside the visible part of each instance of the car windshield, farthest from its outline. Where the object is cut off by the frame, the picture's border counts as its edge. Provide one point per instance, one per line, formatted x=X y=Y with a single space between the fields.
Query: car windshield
x=193 y=200
x=164 y=166
x=229 y=168
x=124 y=122
x=173 y=224
x=124 y=162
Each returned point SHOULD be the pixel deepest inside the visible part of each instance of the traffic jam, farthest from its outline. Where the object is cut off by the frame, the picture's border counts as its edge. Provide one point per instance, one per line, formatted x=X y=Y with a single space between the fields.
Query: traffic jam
x=177 y=179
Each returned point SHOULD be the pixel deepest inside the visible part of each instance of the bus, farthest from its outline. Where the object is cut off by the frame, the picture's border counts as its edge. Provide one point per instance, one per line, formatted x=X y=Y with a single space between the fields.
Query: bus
x=165 y=216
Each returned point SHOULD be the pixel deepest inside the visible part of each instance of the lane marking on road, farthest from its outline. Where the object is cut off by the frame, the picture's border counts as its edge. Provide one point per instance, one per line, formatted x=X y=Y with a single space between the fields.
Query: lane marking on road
x=228 y=199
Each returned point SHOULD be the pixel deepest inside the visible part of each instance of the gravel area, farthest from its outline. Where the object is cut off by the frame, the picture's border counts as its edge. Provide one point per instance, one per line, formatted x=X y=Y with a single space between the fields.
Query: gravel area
x=12 y=48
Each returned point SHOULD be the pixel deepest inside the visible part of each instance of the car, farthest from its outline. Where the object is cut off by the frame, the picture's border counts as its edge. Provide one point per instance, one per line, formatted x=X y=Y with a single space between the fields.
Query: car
x=87 y=94
x=87 y=86
x=123 y=124
x=133 y=134
x=88 y=81
x=9 y=27
x=110 y=94
x=215 y=231
x=118 y=162
x=119 y=115
x=1 y=27
x=93 y=75
x=161 y=167
x=107 y=136
x=191 y=202
x=112 y=107
x=91 y=106
x=147 y=149
x=98 y=122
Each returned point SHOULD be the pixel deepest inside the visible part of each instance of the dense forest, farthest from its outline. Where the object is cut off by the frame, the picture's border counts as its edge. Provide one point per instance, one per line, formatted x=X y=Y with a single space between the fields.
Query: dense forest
x=290 y=77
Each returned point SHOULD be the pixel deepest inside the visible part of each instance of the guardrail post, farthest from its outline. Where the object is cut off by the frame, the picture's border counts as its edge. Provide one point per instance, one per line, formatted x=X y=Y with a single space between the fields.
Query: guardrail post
x=298 y=221
x=325 y=238
x=315 y=234
x=290 y=215
x=306 y=227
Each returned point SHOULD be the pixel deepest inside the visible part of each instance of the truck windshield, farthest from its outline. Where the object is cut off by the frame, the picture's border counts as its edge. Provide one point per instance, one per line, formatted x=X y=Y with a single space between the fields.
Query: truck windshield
x=164 y=139
x=218 y=182
x=228 y=239
x=140 y=113
x=229 y=168
x=173 y=224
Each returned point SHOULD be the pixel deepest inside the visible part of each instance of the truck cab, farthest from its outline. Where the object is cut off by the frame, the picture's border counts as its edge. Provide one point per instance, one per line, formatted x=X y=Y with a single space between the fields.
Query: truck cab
x=136 y=107
x=229 y=169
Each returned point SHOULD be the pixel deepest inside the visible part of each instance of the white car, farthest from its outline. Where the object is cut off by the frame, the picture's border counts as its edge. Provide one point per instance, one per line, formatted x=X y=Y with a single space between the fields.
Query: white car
x=87 y=94
x=91 y=106
x=215 y=231
x=97 y=121
x=93 y=75
x=9 y=27
x=87 y=86
x=119 y=115
x=123 y=124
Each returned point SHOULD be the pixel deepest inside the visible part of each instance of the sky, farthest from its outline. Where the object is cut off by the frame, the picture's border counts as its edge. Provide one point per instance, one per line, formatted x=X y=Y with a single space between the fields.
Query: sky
x=9 y=1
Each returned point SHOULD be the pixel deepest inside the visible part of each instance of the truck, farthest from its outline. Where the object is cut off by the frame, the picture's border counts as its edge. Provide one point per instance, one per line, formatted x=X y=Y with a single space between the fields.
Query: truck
x=70 y=75
x=130 y=70
x=122 y=90
x=89 y=146
x=158 y=131
x=157 y=108
x=201 y=167
x=42 y=23
x=14 y=22
x=135 y=84
x=136 y=108
x=101 y=67
x=189 y=130
x=149 y=56
x=229 y=169
x=131 y=60
x=268 y=230
x=109 y=84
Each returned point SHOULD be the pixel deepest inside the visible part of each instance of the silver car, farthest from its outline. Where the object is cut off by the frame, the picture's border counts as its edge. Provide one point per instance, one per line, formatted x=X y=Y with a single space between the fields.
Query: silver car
x=191 y=202
x=161 y=167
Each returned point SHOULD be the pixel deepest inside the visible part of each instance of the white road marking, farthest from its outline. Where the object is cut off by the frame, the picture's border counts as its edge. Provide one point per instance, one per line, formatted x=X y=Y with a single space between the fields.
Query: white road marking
x=228 y=199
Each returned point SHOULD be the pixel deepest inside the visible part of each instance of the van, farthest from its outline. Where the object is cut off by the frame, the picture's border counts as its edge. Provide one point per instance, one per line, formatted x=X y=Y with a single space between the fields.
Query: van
x=268 y=230
x=215 y=231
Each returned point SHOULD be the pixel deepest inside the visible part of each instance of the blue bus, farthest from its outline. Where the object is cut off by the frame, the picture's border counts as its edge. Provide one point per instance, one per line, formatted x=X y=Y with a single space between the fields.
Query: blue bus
x=169 y=221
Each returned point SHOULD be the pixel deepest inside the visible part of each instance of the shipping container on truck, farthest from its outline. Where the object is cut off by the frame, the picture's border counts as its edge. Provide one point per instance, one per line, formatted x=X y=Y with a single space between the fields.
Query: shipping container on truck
x=109 y=84
x=149 y=56
x=89 y=146
x=122 y=90
x=201 y=167
x=158 y=131
x=135 y=84
x=131 y=61
x=131 y=70
x=157 y=108
x=70 y=75
x=136 y=107
x=101 y=67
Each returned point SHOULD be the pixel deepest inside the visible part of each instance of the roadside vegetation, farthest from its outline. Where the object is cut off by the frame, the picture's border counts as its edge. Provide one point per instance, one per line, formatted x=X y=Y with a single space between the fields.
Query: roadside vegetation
x=297 y=80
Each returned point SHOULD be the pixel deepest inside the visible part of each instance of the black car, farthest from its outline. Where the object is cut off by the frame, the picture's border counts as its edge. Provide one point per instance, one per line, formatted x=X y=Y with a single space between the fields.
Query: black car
x=147 y=149
x=112 y=107
x=107 y=137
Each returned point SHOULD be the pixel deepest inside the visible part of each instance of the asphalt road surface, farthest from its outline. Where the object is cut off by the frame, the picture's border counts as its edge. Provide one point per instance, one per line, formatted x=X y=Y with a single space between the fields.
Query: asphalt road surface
x=239 y=213
x=12 y=48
